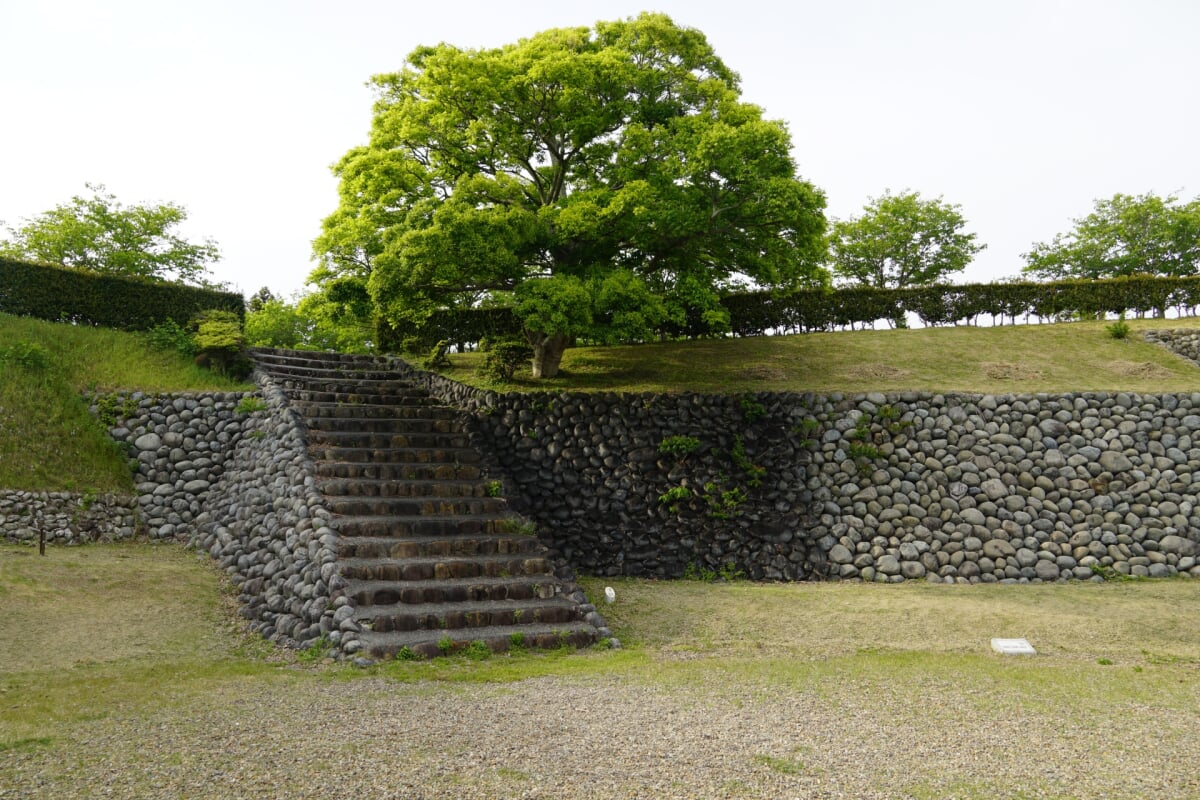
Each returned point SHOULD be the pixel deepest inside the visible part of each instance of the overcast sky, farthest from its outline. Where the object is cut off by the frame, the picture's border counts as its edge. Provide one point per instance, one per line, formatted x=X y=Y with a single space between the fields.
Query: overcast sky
x=1021 y=111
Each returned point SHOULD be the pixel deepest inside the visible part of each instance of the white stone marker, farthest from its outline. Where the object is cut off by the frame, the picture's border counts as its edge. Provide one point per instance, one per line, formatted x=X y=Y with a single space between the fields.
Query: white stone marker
x=1013 y=647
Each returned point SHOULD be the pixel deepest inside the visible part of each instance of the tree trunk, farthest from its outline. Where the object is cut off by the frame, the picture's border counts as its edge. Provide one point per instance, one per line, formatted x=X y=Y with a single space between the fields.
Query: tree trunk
x=547 y=353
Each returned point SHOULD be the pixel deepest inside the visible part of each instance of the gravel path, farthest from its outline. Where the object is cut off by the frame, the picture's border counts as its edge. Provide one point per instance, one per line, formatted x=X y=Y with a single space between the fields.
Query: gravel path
x=612 y=737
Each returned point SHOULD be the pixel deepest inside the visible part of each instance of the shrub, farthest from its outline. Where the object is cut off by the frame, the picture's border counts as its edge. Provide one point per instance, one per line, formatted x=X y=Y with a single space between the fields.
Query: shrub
x=220 y=345
x=504 y=357
x=170 y=335
x=28 y=355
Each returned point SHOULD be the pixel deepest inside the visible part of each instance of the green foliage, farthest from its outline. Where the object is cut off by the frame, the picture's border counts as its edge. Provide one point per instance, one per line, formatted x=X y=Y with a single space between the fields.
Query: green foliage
x=59 y=294
x=319 y=650
x=1118 y=329
x=902 y=240
x=673 y=496
x=274 y=323
x=752 y=410
x=1124 y=235
x=27 y=355
x=723 y=504
x=617 y=167
x=445 y=645
x=250 y=404
x=170 y=335
x=112 y=408
x=495 y=489
x=100 y=235
x=679 y=446
x=503 y=357
x=220 y=344
x=437 y=356
x=478 y=651
x=754 y=473
x=517 y=526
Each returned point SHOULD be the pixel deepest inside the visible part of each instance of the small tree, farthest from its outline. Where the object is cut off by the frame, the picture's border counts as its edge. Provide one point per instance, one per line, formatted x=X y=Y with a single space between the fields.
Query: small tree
x=902 y=240
x=98 y=234
x=1124 y=235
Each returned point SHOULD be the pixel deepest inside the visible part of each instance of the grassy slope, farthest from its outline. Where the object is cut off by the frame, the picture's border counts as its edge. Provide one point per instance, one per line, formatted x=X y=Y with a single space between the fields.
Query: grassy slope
x=48 y=441
x=1014 y=359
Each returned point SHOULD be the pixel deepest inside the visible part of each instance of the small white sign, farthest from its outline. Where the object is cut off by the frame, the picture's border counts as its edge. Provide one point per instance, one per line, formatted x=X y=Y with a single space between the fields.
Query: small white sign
x=1013 y=647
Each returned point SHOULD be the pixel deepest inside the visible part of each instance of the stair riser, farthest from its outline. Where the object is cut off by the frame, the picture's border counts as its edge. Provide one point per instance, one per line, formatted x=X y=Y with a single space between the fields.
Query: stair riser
x=378 y=425
x=399 y=472
x=439 y=548
x=355 y=398
x=384 y=441
x=448 y=570
x=432 y=648
x=457 y=620
x=391 y=388
x=415 y=507
x=383 y=489
x=401 y=527
x=453 y=593
x=322 y=411
x=356 y=455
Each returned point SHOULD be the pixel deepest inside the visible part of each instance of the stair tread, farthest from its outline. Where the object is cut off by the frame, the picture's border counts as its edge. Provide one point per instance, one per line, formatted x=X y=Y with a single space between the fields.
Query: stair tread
x=356 y=585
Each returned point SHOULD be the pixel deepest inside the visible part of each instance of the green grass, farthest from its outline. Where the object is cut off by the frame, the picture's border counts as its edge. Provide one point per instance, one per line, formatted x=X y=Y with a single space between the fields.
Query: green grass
x=148 y=633
x=48 y=440
x=1066 y=357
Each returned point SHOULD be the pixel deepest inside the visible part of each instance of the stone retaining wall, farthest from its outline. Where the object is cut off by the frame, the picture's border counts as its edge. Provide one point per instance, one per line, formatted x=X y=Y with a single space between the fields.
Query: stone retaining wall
x=1181 y=341
x=945 y=487
x=67 y=517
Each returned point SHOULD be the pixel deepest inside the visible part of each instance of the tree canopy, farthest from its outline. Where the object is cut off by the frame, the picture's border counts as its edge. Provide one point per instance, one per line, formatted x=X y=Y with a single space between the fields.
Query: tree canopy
x=608 y=177
x=99 y=234
x=1124 y=235
x=901 y=240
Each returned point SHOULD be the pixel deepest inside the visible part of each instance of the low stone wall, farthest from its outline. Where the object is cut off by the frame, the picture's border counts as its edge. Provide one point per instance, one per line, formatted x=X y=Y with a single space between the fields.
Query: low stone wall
x=942 y=487
x=67 y=517
x=1181 y=341
x=180 y=444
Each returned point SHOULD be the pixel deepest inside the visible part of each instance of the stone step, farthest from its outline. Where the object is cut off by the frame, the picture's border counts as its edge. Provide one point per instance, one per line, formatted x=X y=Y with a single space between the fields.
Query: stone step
x=389 y=440
x=500 y=565
x=406 y=425
x=394 y=455
x=393 y=387
x=397 y=472
x=331 y=371
x=430 y=506
x=315 y=410
x=401 y=526
x=370 y=487
x=368 y=592
x=357 y=398
x=274 y=355
x=428 y=644
x=455 y=616
x=426 y=547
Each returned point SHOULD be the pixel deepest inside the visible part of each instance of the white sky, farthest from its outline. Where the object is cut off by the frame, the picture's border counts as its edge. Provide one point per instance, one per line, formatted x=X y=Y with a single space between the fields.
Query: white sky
x=1021 y=111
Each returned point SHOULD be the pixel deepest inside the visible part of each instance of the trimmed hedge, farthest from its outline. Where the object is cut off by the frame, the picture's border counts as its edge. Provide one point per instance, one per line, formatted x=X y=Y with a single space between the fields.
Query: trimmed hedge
x=61 y=294
x=804 y=310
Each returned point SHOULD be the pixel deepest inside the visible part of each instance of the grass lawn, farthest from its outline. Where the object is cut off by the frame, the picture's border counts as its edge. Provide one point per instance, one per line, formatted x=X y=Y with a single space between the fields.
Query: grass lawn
x=1077 y=356
x=94 y=639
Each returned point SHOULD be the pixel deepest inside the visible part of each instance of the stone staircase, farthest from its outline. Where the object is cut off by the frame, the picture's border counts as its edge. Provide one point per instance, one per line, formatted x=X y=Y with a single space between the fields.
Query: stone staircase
x=432 y=558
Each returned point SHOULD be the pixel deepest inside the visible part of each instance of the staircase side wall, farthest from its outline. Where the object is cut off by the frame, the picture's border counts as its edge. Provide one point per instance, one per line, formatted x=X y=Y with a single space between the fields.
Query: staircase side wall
x=239 y=485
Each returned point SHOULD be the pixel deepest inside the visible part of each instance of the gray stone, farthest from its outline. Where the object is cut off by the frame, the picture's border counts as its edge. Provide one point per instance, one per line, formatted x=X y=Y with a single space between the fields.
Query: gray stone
x=148 y=442
x=998 y=548
x=1115 y=462
x=1046 y=570
x=887 y=565
x=1177 y=545
x=839 y=554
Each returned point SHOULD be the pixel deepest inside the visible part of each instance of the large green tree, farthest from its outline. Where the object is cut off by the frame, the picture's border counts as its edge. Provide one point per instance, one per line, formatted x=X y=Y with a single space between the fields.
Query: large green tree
x=902 y=240
x=98 y=233
x=1124 y=235
x=580 y=169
